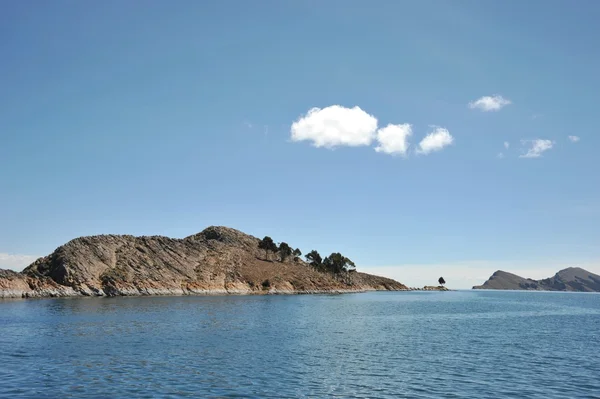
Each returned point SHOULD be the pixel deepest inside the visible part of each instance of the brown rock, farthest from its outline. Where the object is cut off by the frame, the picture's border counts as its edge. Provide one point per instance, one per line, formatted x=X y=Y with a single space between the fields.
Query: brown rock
x=219 y=260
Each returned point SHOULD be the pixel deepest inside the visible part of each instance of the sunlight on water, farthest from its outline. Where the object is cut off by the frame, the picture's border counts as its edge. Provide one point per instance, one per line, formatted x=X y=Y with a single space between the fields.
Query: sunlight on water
x=465 y=344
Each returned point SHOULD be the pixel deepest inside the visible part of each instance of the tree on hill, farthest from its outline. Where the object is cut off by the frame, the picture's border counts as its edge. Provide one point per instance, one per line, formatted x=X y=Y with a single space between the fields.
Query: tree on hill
x=442 y=281
x=267 y=244
x=285 y=251
x=297 y=253
x=314 y=258
x=337 y=263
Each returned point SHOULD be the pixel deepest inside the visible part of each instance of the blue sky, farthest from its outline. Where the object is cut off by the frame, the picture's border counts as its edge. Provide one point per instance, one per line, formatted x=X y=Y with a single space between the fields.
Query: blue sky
x=161 y=117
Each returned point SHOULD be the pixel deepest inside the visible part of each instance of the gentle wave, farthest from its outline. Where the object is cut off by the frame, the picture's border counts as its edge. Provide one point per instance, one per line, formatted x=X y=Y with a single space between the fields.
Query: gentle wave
x=373 y=345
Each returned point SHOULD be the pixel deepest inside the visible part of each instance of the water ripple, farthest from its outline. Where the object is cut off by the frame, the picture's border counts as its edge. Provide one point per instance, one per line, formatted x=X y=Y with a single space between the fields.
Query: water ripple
x=376 y=345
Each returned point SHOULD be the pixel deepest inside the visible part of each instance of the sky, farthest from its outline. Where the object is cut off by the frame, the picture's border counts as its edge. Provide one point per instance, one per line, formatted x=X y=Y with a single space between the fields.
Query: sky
x=419 y=138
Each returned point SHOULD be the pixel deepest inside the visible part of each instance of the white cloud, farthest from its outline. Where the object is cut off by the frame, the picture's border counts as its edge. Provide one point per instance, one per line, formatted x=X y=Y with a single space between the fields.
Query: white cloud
x=500 y=155
x=538 y=146
x=15 y=262
x=506 y=144
x=335 y=126
x=435 y=141
x=574 y=139
x=489 y=103
x=393 y=139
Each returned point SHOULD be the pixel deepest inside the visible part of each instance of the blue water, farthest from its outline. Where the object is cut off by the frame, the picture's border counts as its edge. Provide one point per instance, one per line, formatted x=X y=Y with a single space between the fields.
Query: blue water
x=469 y=344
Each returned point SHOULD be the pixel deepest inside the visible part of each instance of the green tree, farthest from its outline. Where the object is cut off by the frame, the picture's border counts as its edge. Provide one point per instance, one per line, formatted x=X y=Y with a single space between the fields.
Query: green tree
x=297 y=253
x=338 y=263
x=267 y=244
x=442 y=281
x=327 y=264
x=314 y=258
x=285 y=251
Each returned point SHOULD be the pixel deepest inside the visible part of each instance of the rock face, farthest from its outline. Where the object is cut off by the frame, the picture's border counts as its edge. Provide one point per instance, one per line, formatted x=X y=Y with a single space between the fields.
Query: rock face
x=570 y=279
x=19 y=285
x=219 y=260
x=13 y=285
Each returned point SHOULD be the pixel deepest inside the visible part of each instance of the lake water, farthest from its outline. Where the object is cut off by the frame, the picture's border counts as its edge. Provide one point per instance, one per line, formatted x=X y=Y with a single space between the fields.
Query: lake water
x=464 y=344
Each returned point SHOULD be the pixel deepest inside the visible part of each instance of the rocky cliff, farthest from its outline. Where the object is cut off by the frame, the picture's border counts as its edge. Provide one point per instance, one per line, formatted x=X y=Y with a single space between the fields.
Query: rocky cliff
x=219 y=260
x=570 y=279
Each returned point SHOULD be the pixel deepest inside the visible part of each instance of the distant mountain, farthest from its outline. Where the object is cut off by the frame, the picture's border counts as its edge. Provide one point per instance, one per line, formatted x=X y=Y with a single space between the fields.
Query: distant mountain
x=218 y=260
x=570 y=279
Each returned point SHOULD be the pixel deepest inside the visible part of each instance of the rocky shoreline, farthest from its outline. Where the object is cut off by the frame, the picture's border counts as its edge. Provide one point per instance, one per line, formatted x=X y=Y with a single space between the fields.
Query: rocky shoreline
x=432 y=288
x=68 y=292
x=20 y=286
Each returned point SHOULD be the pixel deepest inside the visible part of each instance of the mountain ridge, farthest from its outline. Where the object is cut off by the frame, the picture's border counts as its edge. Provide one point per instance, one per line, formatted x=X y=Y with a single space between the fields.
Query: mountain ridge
x=569 y=279
x=218 y=260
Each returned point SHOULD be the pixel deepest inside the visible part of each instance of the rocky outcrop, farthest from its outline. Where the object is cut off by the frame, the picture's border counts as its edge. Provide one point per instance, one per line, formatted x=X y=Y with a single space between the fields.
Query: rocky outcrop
x=18 y=285
x=570 y=279
x=13 y=285
x=219 y=260
x=434 y=288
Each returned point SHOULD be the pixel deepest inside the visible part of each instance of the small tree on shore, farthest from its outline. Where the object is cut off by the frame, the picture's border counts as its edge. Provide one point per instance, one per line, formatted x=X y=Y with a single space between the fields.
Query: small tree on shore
x=267 y=244
x=297 y=253
x=442 y=281
x=285 y=251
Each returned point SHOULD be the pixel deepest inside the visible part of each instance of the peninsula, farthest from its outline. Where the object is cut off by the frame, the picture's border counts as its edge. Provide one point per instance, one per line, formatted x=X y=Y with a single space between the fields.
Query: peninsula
x=218 y=260
x=570 y=279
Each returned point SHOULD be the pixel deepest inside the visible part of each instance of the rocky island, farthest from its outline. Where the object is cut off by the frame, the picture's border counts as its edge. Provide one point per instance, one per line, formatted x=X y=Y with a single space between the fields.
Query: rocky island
x=218 y=260
x=570 y=279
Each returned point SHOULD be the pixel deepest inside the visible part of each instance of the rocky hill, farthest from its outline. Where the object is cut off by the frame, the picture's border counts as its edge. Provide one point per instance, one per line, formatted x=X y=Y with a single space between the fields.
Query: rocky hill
x=570 y=279
x=219 y=260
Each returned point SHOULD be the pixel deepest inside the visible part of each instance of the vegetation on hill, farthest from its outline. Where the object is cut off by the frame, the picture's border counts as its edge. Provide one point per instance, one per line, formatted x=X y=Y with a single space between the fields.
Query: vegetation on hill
x=336 y=263
x=267 y=244
x=285 y=251
x=297 y=253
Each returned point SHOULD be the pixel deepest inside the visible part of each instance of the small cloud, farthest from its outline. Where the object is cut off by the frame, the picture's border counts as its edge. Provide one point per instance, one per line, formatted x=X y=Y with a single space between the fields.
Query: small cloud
x=537 y=147
x=393 y=139
x=335 y=126
x=500 y=155
x=435 y=141
x=248 y=124
x=574 y=139
x=506 y=144
x=536 y=116
x=15 y=262
x=489 y=103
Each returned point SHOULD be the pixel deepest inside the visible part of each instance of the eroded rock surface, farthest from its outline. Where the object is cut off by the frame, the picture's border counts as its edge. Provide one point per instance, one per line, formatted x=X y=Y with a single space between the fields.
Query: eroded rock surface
x=219 y=260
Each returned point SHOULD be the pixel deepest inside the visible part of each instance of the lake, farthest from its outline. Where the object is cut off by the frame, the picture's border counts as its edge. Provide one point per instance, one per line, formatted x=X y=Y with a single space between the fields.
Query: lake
x=461 y=344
